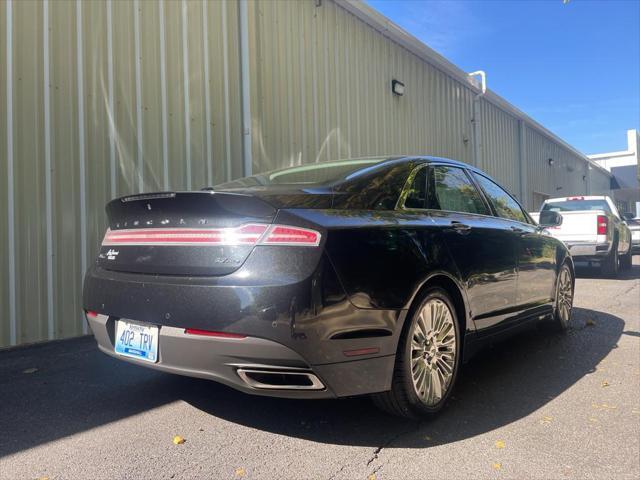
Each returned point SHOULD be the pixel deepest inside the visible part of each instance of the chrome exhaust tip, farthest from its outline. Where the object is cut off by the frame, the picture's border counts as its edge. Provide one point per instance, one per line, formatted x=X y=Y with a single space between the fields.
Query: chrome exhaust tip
x=280 y=379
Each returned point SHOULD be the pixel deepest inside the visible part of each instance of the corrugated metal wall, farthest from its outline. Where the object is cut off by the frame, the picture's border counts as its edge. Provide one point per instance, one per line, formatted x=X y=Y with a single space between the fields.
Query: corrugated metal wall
x=105 y=98
x=108 y=98
x=321 y=89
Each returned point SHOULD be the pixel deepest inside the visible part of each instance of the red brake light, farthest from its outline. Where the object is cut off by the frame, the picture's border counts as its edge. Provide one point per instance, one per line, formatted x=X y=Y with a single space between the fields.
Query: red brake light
x=245 y=235
x=575 y=198
x=285 y=235
x=91 y=313
x=603 y=224
x=249 y=234
x=209 y=333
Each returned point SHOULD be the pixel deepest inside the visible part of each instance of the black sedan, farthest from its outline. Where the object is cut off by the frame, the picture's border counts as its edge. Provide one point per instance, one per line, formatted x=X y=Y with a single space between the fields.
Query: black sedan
x=367 y=276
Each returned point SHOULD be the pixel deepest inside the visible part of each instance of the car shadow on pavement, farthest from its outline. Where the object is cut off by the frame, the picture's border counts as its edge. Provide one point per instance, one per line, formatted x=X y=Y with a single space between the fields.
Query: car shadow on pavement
x=500 y=385
x=59 y=389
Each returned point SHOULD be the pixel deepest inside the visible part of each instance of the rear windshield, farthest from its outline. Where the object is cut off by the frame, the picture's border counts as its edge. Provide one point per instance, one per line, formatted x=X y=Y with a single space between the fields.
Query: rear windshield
x=574 y=205
x=314 y=174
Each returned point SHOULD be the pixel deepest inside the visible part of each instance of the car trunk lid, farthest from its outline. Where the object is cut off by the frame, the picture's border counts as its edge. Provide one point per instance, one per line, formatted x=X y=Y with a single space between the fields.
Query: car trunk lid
x=183 y=233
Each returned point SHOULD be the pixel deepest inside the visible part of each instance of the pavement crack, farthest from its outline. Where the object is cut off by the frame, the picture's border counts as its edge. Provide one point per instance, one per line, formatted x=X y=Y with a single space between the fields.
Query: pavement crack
x=336 y=473
x=378 y=450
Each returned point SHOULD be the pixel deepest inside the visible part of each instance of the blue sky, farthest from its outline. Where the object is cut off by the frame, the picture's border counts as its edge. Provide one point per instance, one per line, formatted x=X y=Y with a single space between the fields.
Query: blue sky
x=573 y=67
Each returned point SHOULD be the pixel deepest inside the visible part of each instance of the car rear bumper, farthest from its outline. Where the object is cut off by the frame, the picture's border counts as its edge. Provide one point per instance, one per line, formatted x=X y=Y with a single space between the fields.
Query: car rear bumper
x=591 y=250
x=233 y=362
x=286 y=328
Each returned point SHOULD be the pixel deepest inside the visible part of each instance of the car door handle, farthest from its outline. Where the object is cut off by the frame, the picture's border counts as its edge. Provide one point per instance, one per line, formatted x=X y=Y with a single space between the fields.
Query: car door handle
x=517 y=230
x=460 y=227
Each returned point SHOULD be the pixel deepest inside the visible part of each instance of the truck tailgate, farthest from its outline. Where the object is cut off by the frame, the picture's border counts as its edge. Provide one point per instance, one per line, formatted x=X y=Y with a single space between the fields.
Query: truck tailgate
x=578 y=226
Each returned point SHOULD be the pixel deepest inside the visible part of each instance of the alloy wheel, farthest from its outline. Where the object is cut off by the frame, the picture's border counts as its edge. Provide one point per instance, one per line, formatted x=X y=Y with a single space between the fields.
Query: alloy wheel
x=564 y=302
x=433 y=351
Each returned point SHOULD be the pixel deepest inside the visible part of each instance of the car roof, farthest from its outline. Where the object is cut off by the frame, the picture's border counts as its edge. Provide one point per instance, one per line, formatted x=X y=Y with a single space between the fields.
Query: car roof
x=420 y=158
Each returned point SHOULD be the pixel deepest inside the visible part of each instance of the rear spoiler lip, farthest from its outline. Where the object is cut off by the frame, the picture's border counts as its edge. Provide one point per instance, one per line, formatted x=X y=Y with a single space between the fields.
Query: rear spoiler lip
x=171 y=194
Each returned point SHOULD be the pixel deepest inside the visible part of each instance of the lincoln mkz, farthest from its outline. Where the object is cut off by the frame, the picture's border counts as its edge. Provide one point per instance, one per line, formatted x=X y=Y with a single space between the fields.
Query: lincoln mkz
x=375 y=276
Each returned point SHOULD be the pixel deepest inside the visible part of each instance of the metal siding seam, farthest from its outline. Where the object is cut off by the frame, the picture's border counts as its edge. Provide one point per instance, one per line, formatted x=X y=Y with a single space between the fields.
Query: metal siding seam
x=207 y=107
x=303 y=97
x=225 y=81
x=245 y=87
x=347 y=68
x=112 y=126
x=139 y=133
x=81 y=148
x=289 y=71
x=10 y=179
x=327 y=110
x=314 y=83
x=163 y=97
x=47 y=161
x=185 y=78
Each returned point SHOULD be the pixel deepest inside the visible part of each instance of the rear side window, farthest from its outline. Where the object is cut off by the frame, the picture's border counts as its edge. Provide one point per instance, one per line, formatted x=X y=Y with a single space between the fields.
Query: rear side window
x=574 y=205
x=453 y=191
x=417 y=194
x=505 y=205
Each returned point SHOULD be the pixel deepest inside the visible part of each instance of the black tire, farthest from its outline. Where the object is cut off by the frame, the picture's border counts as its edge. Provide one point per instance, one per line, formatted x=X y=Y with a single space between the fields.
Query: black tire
x=626 y=260
x=403 y=400
x=561 y=319
x=609 y=266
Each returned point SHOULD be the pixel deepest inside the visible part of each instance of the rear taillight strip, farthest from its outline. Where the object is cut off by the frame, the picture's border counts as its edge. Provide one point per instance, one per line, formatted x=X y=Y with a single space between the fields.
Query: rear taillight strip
x=250 y=234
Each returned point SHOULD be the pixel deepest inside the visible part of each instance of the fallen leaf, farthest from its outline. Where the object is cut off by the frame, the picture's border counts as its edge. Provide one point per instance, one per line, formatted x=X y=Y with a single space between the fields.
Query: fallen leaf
x=30 y=370
x=372 y=477
x=500 y=444
x=546 y=419
x=240 y=472
x=590 y=322
x=605 y=383
x=497 y=466
x=593 y=420
x=178 y=440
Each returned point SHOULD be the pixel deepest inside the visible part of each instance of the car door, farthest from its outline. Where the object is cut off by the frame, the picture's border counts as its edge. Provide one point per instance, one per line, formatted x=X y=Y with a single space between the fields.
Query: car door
x=536 y=252
x=481 y=245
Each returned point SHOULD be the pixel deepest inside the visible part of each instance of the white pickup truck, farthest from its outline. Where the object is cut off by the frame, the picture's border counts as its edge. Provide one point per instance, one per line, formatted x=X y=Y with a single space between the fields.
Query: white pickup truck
x=592 y=229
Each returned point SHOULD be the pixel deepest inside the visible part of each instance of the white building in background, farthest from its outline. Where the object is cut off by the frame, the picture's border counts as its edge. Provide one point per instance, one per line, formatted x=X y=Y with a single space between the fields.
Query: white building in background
x=624 y=167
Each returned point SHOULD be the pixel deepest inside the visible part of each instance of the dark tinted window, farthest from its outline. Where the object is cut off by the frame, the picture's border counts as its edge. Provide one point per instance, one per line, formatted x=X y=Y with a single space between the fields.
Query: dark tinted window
x=454 y=191
x=504 y=203
x=309 y=175
x=417 y=195
x=573 y=205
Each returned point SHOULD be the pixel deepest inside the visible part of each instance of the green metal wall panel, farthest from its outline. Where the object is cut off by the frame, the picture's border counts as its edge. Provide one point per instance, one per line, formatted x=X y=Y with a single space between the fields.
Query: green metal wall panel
x=109 y=98
x=5 y=330
x=116 y=97
x=321 y=89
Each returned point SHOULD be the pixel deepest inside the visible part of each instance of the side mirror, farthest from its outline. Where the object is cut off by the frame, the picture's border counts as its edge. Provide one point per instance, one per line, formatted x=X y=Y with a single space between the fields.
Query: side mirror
x=628 y=216
x=549 y=218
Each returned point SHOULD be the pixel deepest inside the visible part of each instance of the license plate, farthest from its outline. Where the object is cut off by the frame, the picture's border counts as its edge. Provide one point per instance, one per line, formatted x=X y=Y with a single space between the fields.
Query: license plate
x=137 y=341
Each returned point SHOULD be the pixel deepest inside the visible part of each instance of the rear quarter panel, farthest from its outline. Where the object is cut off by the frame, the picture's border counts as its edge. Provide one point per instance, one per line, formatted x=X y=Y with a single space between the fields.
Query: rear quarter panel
x=383 y=258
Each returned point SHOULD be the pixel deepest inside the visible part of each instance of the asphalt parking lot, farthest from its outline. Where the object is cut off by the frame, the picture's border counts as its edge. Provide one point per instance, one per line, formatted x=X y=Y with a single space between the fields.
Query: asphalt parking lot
x=539 y=406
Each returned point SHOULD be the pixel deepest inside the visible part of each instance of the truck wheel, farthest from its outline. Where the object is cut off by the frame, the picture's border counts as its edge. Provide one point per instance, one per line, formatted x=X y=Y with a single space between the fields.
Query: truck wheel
x=609 y=266
x=626 y=260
